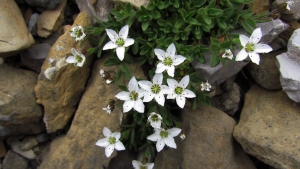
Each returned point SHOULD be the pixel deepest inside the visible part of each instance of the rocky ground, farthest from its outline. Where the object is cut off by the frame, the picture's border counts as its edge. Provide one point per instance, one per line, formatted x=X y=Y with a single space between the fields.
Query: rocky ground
x=51 y=112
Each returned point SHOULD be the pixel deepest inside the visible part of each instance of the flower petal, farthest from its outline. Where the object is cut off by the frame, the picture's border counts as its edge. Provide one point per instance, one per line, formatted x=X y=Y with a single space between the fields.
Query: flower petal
x=149 y=165
x=110 y=45
x=160 y=54
x=178 y=59
x=244 y=40
x=128 y=42
x=124 y=32
x=154 y=137
x=102 y=142
x=139 y=106
x=160 y=99
x=158 y=78
x=119 y=146
x=136 y=164
x=128 y=105
x=165 y=89
x=180 y=101
x=172 y=83
x=171 y=50
x=71 y=59
x=113 y=36
x=184 y=82
x=262 y=48
x=241 y=55
x=173 y=132
x=116 y=135
x=171 y=71
x=120 y=52
x=160 y=67
x=132 y=84
x=148 y=97
x=254 y=58
x=123 y=95
x=145 y=84
x=106 y=132
x=188 y=94
x=160 y=145
x=256 y=36
x=109 y=150
x=171 y=95
x=170 y=142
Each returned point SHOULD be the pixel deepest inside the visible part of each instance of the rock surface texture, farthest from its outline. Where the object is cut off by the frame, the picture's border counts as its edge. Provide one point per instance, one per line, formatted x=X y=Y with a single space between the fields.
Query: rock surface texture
x=20 y=114
x=60 y=85
x=209 y=143
x=48 y=4
x=268 y=128
x=77 y=149
x=14 y=35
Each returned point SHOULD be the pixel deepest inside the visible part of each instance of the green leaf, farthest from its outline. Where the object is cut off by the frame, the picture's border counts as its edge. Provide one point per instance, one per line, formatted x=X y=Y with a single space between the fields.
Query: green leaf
x=192 y=21
x=162 y=22
x=211 y=4
x=123 y=88
x=200 y=58
x=251 y=22
x=214 y=47
x=142 y=60
x=145 y=25
x=132 y=136
x=91 y=50
x=125 y=134
x=222 y=24
x=246 y=26
x=226 y=44
x=214 y=59
x=135 y=48
x=125 y=69
x=162 y=111
x=207 y=20
x=141 y=41
x=199 y=3
x=151 y=6
x=118 y=76
x=195 y=78
x=215 y=12
x=112 y=61
x=128 y=58
x=179 y=23
x=155 y=14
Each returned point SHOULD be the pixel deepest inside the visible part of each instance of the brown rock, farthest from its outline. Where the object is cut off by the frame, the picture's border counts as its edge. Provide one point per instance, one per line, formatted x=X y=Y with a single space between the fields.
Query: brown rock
x=269 y=128
x=2 y=149
x=136 y=3
x=60 y=85
x=260 y=6
x=14 y=35
x=20 y=114
x=266 y=73
x=77 y=149
x=50 y=20
x=209 y=143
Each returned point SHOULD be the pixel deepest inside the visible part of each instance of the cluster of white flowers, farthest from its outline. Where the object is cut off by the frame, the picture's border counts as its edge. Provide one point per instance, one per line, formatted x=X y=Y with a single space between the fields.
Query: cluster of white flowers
x=205 y=86
x=77 y=33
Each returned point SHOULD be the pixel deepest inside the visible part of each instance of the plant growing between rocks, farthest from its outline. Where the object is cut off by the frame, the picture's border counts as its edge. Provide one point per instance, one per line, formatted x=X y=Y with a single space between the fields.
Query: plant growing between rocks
x=164 y=38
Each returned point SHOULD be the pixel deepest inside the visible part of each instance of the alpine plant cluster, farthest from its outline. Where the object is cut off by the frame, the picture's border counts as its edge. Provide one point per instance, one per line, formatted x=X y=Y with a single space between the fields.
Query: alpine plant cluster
x=143 y=91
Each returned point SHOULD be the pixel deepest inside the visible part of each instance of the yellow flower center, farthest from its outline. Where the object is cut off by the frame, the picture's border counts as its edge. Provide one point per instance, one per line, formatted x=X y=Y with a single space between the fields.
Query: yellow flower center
x=168 y=61
x=134 y=96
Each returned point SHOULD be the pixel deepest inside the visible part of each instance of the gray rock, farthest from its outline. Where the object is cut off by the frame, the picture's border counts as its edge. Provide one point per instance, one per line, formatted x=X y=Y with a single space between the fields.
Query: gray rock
x=269 y=128
x=266 y=73
x=34 y=56
x=28 y=143
x=14 y=161
x=20 y=114
x=294 y=45
x=278 y=43
x=42 y=137
x=32 y=23
x=289 y=75
x=294 y=13
x=219 y=73
x=228 y=101
x=48 y=4
x=271 y=30
x=16 y=147
x=99 y=9
x=209 y=143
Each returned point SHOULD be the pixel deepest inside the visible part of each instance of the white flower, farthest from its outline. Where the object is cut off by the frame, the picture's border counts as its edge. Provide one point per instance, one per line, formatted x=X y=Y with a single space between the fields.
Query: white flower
x=205 y=86
x=168 y=60
x=179 y=91
x=118 y=41
x=252 y=47
x=228 y=54
x=110 y=142
x=107 y=109
x=133 y=97
x=109 y=81
x=155 y=120
x=154 y=90
x=78 y=59
x=78 y=33
x=164 y=138
x=182 y=136
x=102 y=73
x=288 y=4
x=139 y=165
